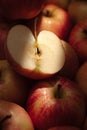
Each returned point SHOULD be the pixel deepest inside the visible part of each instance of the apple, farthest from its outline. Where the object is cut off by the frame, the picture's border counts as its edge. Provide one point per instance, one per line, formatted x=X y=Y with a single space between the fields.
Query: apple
x=64 y=128
x=13 y=87
x=78 y=39
x=55 y=102
x=77 y=10
x=53 y=18
x=35 y=57
x=81 y=79
x=4 y=27
x=20 y=9
x=62 y=3
x=71 y=61
x=85 y=124
x=14 y=117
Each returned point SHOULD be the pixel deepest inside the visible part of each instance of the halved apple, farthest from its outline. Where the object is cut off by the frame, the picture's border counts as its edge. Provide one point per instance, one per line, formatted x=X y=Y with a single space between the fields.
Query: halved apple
x=36 y=57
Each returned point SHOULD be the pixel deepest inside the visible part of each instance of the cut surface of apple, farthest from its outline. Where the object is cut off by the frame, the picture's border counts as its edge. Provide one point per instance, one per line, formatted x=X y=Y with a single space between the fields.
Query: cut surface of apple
x=34 y=56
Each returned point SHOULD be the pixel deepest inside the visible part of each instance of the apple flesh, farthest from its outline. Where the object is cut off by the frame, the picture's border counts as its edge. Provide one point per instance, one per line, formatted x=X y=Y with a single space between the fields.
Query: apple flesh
x=4 y=28
x=14 y=117
x=36 y=57
x=20 y=9
x=13 y=87
x=56 y=102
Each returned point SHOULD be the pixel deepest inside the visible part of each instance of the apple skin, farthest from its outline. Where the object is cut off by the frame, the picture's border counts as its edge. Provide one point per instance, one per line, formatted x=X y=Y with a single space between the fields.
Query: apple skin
x=4 y=27
x=14 y=117
x=20 y=9
x=81 y=79
x=13 y=87
x=64 y=128
x=77 y=10
x=71 y=61
x=78 y=39
x=62 y=3
x=85 y=124
x=56 y=102
x=53 y=18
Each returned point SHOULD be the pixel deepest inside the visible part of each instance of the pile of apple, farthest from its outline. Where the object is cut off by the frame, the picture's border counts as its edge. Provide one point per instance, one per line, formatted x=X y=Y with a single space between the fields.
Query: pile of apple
x=43 y=65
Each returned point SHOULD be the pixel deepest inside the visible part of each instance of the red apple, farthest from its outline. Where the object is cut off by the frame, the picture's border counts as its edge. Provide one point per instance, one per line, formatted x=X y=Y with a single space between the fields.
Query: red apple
x=14 y=117
x=78 y=39
x=4 y=27
x=35 y=57
x=62 y=3
x=20 y=9
x=53 y=18
x=13 y=87
x=85 y=124
x=81 y=79
x=56 y=102
x=71 y=61
x=77 y=10
x=64 y=128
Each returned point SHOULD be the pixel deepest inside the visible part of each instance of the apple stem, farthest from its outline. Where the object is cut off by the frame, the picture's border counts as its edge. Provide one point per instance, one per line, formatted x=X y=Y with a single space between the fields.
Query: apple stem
x=5 y=118
x=47 y=13
x=85 y=31
x=35 y=32
x=58 y=94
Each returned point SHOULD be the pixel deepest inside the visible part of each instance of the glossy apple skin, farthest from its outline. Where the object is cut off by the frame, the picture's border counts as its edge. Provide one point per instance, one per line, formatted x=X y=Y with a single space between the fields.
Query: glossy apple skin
x=17 y=117
x=55 y=19
x=13 y=87
x=81 y=79
x=64 y=128
x=20 y=9
x=56 y=103
x=78 y=39
x=77 y=10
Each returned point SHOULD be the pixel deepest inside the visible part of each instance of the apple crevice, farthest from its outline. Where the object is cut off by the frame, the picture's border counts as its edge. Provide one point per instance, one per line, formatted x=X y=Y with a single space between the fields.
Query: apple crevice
x=4 y=119
x=58 y=91
x=47 y=13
